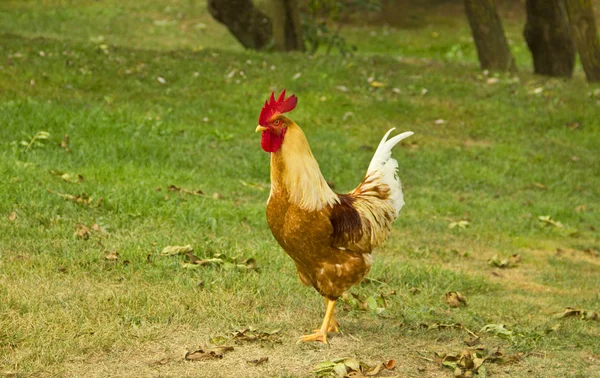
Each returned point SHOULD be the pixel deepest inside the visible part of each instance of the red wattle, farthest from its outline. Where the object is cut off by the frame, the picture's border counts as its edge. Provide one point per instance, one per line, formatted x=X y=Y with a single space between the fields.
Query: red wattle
x=271 y=142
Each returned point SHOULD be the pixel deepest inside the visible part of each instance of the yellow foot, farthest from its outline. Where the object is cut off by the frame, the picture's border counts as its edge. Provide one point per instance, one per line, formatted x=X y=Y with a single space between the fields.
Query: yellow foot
x=317 y=336
x=334 y=327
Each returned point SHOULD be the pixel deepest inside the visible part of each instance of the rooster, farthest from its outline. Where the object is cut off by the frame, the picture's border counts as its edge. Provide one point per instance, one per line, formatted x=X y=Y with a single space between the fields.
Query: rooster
x=329 y=236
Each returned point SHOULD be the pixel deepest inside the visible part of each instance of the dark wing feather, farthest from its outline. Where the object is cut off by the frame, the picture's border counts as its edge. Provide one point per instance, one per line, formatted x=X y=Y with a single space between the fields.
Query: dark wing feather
x=346 y=222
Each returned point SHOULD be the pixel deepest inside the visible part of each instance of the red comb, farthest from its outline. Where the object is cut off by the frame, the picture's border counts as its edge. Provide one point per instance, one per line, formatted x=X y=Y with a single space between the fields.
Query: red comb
x=272 y=107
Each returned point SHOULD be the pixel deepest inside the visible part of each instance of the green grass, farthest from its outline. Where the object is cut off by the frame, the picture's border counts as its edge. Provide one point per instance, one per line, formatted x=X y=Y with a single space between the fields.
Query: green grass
x=503 y=157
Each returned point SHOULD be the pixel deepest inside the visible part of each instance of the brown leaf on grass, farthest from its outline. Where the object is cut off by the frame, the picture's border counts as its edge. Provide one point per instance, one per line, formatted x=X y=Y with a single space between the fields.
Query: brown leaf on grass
x=112 y=256
x=580 y=208
x=68 y=177
x=218 y=340
x=472 y=340
x=208 y=353
x=576 y=312
x=245 y=224
x=82 y=232
x=386 y=365
x=258 y=361
x=441 y=326
x=540 y=186
x=81 y=199
x=499 y=357
x=455 y=299
x=351 y=368
x=223 y=261
x=174 y=188
x=470 y=362
x=162 y=361
x=465 y=364
x=64 y=144
x=252 y=335
x=192 y=258
x=573 y=125
x=12 y=216
x=510 y=262
x=454 y=325
x=247 y=264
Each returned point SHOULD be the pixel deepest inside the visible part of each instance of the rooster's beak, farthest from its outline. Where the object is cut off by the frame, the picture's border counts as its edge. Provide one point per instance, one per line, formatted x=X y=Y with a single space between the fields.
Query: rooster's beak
x=260 y=128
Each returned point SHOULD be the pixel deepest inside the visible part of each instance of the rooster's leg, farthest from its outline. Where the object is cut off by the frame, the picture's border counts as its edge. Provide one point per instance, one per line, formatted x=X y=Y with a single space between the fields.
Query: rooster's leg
x=321 y=334
x=334 y=325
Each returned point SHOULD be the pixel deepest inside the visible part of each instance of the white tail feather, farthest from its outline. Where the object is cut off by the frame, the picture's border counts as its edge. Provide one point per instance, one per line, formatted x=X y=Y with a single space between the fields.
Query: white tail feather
x=383 y=164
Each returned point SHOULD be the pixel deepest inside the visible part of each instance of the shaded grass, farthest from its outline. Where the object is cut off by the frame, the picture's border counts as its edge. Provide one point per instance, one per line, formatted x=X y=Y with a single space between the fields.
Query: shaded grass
x=66 y=310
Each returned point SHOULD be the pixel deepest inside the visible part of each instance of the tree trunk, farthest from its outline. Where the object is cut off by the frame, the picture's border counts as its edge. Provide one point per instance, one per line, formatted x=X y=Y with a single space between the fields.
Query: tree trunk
x=247 y=24
x=287 y=27
x=585 y=35
x=548 y=36
x=486 y=26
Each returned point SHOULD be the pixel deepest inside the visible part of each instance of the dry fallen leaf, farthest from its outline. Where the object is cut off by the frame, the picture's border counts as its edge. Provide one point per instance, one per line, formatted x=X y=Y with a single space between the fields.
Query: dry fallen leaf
x=582 y=314
x=12 y=216
x=351 y=368
x=455 y=299
x=459 y=224
x=173 y=250
x=68 y=177
x=208 y=353
x=388 y=365
x=82 y=199
x=252 y=335
x=498 y=330
x=64 y=144
x=162 y=361
x=258 y=361
x=510 y=262
x=573 y=125
x=112 y=256
x=174 y=188
x=500 y=357
x=472 y=340
x=82 y=232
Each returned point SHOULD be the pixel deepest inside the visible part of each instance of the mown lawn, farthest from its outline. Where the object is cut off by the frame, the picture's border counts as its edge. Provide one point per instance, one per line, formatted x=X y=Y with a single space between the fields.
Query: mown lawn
x=159 y=103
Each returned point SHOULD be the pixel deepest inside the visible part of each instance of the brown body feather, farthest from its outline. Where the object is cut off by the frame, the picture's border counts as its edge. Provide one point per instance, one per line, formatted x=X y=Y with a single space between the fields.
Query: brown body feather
x=329 y=236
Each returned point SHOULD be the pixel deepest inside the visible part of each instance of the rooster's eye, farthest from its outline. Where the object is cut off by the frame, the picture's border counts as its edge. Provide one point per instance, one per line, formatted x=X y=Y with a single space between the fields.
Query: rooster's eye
x=276 y=122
